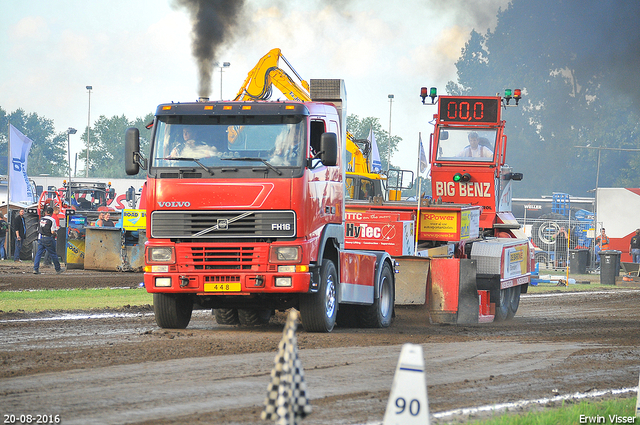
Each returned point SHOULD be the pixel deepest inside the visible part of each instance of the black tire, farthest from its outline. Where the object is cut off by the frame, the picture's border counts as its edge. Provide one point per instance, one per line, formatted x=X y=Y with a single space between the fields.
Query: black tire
x=514 y=302
x=509 y=302
x=226 y=316
x=318 y=311
x=172 y=311
x=31 y=234
x=254 y=316
x=380 y=313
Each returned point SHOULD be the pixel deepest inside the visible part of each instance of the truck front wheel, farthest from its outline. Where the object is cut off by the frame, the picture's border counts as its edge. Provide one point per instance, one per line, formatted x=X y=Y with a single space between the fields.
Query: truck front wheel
x=319 y=310
x=172 y=311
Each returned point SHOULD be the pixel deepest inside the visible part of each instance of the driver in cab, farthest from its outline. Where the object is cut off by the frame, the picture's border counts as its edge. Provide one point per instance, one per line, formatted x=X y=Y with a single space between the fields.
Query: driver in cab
x=190 y=148
x=475 y=149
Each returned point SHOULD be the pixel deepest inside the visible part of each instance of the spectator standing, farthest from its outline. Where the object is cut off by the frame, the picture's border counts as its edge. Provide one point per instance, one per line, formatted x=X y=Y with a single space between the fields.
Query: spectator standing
x=602 y=244
x=106 y=221
x=47 y=258
x=19 y=229
x=4 y=228
x=46 y=241
x=634 y=247
x=100 y=221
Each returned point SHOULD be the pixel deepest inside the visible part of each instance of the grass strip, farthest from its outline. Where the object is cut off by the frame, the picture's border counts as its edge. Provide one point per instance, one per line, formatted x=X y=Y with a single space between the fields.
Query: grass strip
x=601 y=412
x=72 y=299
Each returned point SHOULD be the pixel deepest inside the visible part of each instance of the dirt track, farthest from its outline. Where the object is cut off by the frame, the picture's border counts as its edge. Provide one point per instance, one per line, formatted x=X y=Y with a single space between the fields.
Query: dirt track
x=123 y=369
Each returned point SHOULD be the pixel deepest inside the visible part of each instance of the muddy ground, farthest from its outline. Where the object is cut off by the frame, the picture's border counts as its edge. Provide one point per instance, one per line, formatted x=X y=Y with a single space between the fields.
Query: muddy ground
x=119 y=367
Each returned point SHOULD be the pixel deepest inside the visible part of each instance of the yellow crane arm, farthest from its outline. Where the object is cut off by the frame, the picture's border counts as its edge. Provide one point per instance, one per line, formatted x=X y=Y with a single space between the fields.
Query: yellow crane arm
x=267 y=73
x=358 y=163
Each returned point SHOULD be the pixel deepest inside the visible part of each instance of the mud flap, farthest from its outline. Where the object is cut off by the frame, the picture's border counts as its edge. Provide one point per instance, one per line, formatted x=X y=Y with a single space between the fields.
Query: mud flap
x=468 y=304
x=411 y=280
x=452 y=291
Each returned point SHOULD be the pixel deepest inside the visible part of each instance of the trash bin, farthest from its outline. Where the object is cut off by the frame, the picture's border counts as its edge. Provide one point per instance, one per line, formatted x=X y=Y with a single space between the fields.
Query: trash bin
x=609 y=266
x=578 y=259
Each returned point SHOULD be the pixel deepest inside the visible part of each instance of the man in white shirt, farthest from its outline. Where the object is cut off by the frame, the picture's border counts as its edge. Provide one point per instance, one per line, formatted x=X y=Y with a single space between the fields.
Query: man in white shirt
x=475 y=150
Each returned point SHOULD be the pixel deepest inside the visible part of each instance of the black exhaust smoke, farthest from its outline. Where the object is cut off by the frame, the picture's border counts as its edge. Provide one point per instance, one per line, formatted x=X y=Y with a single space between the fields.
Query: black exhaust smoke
x=213 y=22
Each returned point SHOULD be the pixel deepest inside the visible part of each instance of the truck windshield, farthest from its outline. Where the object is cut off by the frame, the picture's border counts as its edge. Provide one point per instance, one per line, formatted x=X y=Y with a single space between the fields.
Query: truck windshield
x=213 y=141
x=466 y=144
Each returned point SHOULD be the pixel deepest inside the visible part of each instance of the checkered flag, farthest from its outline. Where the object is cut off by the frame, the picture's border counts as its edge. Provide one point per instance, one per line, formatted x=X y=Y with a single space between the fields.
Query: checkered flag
x=286 y=401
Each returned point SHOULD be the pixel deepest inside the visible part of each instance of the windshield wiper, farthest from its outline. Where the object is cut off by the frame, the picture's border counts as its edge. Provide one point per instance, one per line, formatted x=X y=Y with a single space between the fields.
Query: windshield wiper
x=264 y=161
x=204 y=167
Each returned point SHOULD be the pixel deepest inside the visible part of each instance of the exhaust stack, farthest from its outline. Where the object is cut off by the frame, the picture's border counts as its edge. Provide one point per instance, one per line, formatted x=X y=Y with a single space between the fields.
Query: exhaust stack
x=203 y=99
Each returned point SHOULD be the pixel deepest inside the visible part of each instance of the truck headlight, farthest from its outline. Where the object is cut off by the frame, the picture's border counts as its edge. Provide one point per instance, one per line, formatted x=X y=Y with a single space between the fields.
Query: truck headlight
x=285 y=254
x=160 y=254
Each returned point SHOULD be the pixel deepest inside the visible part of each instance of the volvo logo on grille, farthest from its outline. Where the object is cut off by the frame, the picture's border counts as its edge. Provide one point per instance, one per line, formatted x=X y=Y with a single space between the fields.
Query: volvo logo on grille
x=223 y=224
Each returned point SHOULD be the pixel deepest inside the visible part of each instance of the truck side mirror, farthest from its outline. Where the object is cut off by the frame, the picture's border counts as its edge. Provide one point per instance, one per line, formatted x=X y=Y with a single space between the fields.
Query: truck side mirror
x=329 y=149
x=132 y=156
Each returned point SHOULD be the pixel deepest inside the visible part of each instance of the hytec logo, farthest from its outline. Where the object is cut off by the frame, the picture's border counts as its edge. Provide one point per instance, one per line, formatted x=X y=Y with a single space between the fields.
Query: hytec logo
x=181 y=204
x=363 y=231
x=466 y=189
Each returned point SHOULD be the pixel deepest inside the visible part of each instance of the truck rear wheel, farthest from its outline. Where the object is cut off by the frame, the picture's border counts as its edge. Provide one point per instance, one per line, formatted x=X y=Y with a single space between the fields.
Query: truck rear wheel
x=515 y=302
x=380 y=313
x=319 y=310
x=509 y=302
x=172 y=311
x=226 y=316
x=254 y=316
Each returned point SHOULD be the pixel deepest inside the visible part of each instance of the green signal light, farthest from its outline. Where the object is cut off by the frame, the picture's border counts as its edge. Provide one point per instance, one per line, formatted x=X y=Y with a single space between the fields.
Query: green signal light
x=457 y=177
x=507 y=93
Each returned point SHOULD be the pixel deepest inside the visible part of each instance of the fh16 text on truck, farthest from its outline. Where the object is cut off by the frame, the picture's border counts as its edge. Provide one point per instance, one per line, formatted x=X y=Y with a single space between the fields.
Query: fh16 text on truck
x=247 y=214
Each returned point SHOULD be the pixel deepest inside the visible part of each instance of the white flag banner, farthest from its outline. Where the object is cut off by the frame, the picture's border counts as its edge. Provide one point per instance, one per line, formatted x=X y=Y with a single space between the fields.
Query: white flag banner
x=376 y=164
x=423 y=158
x=19 y=188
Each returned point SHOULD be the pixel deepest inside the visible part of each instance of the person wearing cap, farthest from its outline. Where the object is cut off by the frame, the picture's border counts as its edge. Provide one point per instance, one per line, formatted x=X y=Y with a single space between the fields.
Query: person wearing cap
x=47 y=229
x=634 y=247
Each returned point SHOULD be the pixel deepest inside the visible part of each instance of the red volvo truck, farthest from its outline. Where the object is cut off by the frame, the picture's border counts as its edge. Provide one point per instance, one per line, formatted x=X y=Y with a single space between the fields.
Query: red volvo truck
x=246 y=214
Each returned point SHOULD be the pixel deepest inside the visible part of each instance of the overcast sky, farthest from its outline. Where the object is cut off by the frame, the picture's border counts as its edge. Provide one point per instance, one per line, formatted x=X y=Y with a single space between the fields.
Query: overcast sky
x=137 y=54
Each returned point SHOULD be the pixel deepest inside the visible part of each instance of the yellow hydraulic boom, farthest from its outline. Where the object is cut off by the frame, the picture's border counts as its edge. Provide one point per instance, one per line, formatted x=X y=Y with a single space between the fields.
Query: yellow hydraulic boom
x=266 y=74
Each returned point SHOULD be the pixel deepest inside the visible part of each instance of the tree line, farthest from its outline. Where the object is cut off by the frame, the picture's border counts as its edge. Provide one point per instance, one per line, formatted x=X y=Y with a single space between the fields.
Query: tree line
x=577 y=65
x=48 y=153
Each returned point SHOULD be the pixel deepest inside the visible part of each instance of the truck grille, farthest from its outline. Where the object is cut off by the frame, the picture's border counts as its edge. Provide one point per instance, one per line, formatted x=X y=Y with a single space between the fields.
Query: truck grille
x=225 y=258
x=223 y=224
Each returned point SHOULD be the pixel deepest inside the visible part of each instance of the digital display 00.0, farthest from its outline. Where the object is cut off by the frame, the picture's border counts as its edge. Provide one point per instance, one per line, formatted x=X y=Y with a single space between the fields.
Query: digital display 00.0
x=469 y=110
